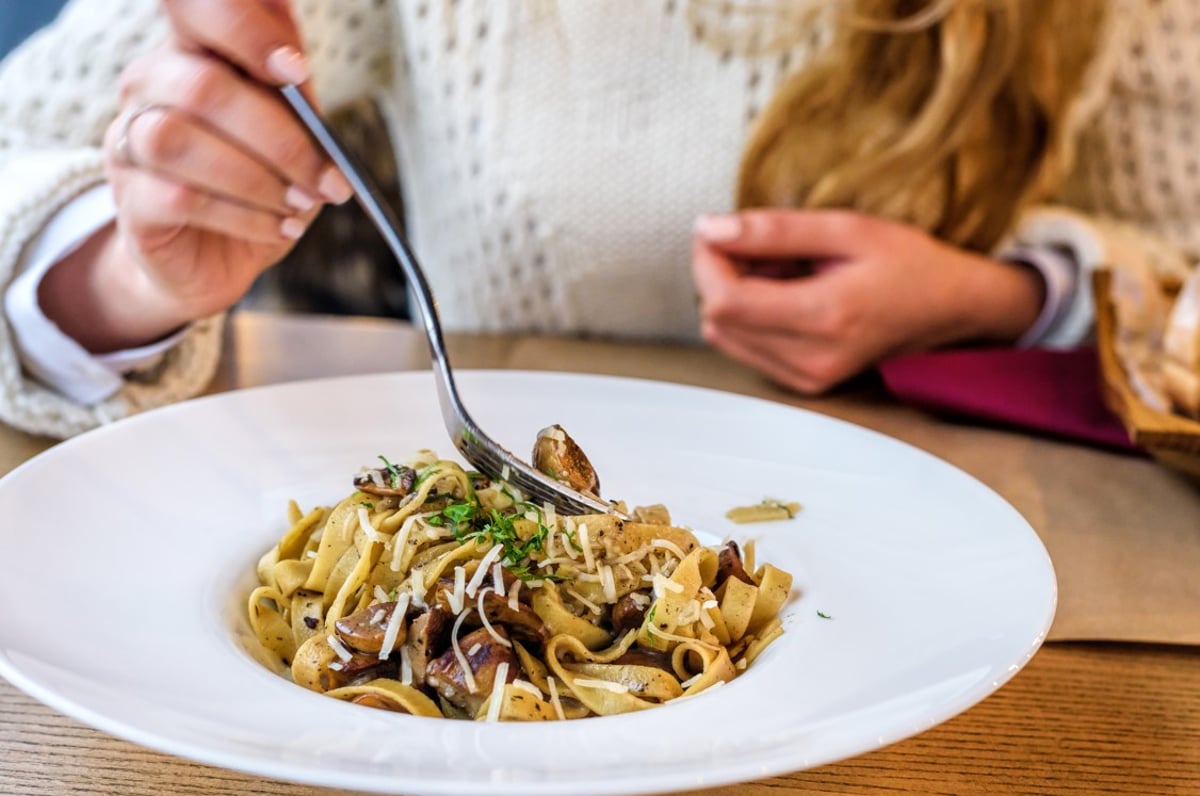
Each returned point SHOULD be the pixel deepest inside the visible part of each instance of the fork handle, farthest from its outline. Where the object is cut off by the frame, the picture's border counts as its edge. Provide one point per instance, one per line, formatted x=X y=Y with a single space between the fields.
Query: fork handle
x=381 y=215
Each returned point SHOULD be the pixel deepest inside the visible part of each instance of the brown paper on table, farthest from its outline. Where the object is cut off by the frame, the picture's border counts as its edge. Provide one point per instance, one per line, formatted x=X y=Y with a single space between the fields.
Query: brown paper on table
x=1123 y=532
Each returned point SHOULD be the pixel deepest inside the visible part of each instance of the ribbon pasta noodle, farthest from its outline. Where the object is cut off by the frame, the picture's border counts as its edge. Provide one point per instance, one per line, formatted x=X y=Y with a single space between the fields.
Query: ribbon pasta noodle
x=435 y=591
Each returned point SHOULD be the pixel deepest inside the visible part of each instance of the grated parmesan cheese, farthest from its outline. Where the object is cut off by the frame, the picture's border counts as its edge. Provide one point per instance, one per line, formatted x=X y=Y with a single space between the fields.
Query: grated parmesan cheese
x=554 y=700
x=416 y=586
x=498 y=580
x=380 y=594
x=457 y=598
x=486 y=624
x=512 y=595
x=364 y=522
x=639 y=599
x=468 y=675
x=493 y=713
x=568 y=529
x=336 y=666
x=527 y=687
x=589 y=560
x=663 y=585
x=400 y=541
x=591 y=606
x=406 y=672
x=377 y=617
x=691 y=681
x=476 y=647
x=393 y=627
x=338 y=647
x=629 y=558
x=482 y=570
x=669 y=546
x=607 y=583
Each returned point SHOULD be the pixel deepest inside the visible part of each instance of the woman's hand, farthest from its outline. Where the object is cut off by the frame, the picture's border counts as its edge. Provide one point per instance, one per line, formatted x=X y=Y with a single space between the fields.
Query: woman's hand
x=869 y=289
x=214 y=178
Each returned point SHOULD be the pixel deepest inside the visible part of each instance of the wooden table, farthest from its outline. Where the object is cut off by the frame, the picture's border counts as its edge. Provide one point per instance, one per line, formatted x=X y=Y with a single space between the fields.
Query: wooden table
x=1085 y=718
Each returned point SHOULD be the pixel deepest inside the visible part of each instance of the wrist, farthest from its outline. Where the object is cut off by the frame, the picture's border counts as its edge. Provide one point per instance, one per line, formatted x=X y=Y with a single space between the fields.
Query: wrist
x=102 y=299
x=1002 y=300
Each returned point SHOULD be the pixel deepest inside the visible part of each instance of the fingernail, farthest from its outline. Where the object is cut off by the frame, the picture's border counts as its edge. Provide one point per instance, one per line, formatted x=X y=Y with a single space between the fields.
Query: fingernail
x=719 y=228
x=299 y=199
x=333 y=186
x=292 y=228
x=288 y=65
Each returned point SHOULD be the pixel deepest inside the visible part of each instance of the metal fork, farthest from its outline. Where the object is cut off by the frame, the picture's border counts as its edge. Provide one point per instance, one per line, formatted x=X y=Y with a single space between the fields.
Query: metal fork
x=476 y=447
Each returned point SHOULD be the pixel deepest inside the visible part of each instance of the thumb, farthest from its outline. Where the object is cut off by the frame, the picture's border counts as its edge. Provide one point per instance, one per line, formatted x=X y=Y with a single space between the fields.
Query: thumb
x=785 y=233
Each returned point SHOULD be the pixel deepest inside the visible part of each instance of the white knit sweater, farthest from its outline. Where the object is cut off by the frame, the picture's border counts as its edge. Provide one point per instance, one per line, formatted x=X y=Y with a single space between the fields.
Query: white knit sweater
x=553 y=158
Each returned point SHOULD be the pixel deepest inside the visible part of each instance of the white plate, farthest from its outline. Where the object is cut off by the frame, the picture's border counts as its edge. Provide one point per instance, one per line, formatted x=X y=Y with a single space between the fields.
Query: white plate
x=129 y=552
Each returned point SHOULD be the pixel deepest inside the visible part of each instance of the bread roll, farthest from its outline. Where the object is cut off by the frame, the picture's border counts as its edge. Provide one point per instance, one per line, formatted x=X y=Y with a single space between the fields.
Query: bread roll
x=1181 y=348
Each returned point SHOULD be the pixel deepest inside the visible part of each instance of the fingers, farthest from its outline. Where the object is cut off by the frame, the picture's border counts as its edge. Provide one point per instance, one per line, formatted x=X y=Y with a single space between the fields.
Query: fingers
x=258 y=36
x=152 y=205
x=802 y=365
x=786 y=234
x=246 y=114
x=173 y=144
x=806 y=306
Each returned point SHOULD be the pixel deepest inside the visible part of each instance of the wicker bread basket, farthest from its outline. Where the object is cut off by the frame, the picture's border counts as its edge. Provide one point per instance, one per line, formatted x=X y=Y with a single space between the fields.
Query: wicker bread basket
x=1170 y=438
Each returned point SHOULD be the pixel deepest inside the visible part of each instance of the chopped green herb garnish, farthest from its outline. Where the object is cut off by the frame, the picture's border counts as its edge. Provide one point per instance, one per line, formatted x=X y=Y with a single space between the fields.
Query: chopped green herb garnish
x=824 y=615
x=650 y=623
x=367 y=504
x=571 y=538
x=393 y=594
x=393 y=472
x=471 y=523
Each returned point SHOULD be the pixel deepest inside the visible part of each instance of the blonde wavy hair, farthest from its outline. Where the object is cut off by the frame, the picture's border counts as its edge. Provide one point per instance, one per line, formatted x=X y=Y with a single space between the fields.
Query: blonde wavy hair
x=947 y=114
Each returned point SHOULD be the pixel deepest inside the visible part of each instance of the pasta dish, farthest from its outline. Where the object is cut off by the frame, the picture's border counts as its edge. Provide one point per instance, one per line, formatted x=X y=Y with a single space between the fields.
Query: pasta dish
x=436 y=591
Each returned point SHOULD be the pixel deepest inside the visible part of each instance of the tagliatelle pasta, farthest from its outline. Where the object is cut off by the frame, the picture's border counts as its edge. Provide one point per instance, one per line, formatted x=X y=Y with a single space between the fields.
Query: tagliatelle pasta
x=434 y=591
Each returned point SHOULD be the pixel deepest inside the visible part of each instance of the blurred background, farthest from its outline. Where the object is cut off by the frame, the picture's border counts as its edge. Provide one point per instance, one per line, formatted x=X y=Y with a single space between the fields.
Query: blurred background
x=19 y=18
x=341 y=266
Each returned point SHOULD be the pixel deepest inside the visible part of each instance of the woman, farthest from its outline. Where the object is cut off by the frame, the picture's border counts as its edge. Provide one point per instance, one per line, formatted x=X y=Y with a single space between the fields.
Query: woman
x=554 y=156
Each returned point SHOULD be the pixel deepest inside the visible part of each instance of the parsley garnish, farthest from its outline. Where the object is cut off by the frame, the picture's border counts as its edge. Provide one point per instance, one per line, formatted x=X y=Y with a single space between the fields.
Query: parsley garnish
x=823 y=615
x=571 y=538
x=472 y=523
x=366 y=503
x=393 y=472
x=650 y=623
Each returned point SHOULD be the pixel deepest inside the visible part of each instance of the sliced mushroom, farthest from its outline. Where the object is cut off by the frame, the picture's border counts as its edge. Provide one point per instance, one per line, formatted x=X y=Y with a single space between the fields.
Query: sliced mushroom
x=484 y=655
x=729 y=565
x=522 y=623
x=397 y=480
x=365 y=630
x=428 y=638
x=627 y=614
x=558 y=456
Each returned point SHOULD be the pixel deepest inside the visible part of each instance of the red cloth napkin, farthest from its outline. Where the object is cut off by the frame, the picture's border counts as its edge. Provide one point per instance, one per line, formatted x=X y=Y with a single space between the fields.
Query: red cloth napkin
x=1053 y=392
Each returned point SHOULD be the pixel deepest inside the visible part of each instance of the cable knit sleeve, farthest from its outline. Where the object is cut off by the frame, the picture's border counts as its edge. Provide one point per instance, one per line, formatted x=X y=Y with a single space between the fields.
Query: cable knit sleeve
x=1094 y=242
x=58 y=94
